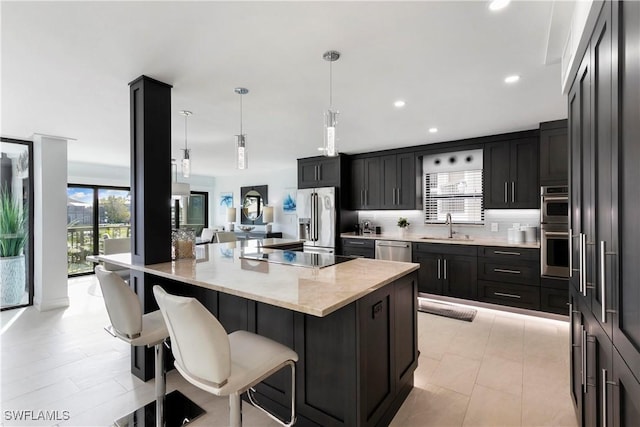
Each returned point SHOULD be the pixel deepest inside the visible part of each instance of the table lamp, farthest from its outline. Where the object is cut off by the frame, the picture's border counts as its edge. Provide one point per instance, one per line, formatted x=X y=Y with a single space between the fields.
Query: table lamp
x=268 y=217
x=231 y=217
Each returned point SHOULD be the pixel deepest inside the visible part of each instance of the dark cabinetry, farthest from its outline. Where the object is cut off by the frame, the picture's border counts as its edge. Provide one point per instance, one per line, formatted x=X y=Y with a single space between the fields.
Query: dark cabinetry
x=604 y=106
x=398 y=186
x=509 y=276
x=320 y=171
x=554 y=153
x=364 y=248
x=511 y=174
x=383 y=182
x=448 y=270
x=365 y=183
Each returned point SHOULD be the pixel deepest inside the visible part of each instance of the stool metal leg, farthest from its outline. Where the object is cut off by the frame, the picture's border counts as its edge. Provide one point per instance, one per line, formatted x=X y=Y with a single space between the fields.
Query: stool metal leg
x=161 y=383
x=235 y=410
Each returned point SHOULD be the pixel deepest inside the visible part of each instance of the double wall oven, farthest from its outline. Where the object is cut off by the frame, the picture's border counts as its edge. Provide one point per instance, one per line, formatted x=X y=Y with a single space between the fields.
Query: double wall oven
x=554 y=231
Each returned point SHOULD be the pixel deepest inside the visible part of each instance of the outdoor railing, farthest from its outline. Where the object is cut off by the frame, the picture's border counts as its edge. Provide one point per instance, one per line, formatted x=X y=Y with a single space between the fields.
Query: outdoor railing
x=80 y=244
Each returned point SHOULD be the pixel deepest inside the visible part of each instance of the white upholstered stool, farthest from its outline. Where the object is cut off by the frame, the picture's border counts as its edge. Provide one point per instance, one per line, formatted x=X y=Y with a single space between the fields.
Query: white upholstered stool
x=130 y=325
x=225 y=365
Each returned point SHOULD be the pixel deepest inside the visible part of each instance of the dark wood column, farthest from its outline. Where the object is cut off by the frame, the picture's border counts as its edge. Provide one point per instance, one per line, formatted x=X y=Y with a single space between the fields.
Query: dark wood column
x=150 y=109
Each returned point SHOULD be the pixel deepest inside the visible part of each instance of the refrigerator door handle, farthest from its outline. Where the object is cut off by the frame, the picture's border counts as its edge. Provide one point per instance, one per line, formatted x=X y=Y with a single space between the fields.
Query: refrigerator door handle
x=315 y=217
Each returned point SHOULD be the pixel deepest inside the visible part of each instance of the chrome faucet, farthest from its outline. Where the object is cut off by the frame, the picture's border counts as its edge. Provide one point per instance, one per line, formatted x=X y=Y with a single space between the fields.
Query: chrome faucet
x=450 y=223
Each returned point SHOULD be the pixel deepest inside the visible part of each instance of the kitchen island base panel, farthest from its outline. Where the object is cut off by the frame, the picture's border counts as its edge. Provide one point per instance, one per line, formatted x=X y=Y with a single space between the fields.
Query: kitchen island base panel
x=356 y=364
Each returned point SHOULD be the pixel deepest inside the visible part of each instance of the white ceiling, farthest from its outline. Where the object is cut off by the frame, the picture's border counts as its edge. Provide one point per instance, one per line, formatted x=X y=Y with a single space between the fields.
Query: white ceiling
x=66 y=68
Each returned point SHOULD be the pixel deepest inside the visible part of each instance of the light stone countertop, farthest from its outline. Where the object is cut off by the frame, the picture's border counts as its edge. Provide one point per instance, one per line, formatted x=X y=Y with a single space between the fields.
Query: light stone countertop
x=315 y=291
x=421 y=238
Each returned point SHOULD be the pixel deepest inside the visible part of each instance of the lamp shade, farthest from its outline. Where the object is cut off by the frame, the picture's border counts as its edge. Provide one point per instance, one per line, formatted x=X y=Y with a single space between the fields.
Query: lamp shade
x=267 y=211
x=180 y=189
x=231 y=214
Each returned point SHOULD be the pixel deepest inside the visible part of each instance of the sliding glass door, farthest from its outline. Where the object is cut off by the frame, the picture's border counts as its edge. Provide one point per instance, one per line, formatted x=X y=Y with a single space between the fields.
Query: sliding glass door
x=93 y=215
x=16 y=223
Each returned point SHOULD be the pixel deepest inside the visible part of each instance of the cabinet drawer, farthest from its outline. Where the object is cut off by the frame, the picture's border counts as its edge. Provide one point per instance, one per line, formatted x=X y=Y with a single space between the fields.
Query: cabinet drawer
x=509 y=253
x=522 y=272
x=359 y=243
x=440 y=248
x=554 y=300
x=509 y=294
x=360 y=252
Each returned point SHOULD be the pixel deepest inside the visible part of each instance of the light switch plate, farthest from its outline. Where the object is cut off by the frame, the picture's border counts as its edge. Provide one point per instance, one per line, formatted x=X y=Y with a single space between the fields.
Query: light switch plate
x=494 y=226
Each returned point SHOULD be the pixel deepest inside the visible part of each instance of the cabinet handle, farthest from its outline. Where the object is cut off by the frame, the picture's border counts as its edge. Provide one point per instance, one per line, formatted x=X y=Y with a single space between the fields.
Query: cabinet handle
x=570 y=253
x=445 y=269
x=505 y=192
x=603 y=293
x=393 y=196
x=501 y=294
x=503 y=270
x=355 y=243
x=439 y=268
x=604 y=398
x=315 y=172
x=584 y=359
x=506 y=253
x=583 y=263
x=366 y=197
x=398 y=198
x=513 y=192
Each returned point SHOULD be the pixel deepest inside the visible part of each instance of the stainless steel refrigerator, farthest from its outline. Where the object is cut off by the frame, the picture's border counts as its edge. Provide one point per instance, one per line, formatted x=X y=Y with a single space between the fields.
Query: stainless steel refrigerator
x=317 y=219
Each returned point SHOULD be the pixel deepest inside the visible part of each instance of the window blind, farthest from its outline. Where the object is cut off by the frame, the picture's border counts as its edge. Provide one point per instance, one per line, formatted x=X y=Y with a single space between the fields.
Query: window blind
x=458 y=193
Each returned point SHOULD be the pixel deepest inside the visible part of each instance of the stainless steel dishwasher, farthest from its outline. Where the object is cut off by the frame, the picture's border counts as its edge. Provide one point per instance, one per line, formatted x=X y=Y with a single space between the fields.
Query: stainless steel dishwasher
x=393 y=250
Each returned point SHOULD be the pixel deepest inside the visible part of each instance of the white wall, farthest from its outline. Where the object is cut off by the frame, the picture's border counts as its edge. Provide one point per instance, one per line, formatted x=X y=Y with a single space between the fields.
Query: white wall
x=278 y=181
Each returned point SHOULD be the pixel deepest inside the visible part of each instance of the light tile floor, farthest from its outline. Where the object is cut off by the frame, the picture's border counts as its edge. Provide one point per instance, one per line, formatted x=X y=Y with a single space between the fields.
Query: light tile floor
x=502 y=369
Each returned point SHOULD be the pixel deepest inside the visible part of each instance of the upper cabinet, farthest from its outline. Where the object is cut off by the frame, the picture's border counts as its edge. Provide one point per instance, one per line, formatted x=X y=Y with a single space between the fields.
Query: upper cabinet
x=554 y=153
x=511 y=174
x=365 y=183
x=398 y=181
x=320 y=171
x=383 y=182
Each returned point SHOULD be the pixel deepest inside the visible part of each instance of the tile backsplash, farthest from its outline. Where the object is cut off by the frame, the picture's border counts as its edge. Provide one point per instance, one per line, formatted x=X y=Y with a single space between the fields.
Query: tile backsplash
x=502 y=218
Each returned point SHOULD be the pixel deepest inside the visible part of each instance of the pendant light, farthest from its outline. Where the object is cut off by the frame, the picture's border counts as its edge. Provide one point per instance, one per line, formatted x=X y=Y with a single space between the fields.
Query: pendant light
x=178 y=189
x=241 y=139
x=186 y=161
x=331 y=115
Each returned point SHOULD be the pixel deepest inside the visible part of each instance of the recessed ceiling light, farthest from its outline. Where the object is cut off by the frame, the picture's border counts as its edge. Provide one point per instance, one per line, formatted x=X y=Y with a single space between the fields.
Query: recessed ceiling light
x=512 y=79
x=320 y=148
x=498 y=4
x=399 y=104
x=433 y=130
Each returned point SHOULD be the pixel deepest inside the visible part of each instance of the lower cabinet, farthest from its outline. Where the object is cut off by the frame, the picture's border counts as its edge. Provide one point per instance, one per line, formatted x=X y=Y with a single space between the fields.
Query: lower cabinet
x=364 y=248
x=509 y=276
x=449 y=270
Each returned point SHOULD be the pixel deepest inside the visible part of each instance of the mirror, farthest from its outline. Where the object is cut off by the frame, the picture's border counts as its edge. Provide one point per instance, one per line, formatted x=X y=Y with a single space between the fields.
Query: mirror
x=253 y=201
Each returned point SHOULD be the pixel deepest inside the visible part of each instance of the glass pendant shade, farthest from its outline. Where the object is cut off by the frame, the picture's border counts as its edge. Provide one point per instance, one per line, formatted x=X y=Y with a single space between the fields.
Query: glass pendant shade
x=241 y=152
x=186 y=163
x=330 y=122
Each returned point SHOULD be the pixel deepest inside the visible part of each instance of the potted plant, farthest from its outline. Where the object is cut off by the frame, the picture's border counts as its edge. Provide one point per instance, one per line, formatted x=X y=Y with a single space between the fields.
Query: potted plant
x=403 y=224
x=13 y=237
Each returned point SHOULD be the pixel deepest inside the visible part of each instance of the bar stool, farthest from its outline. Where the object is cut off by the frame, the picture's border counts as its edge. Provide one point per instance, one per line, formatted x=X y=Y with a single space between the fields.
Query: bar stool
x=130 y=325
x=224 y=365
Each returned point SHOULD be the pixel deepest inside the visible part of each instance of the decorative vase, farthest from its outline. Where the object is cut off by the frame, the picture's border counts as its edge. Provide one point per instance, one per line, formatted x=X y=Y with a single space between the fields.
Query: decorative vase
x=183 y=243
x=12 y=280
x=403 y=231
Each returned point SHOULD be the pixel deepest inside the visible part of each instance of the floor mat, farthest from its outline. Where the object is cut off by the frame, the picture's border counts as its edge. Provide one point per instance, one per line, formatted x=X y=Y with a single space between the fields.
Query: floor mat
x=446 y=310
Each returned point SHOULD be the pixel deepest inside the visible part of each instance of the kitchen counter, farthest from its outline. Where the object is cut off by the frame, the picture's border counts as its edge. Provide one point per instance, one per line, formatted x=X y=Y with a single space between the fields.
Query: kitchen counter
x=421 y=238
x=352 y=324
x=315 y=291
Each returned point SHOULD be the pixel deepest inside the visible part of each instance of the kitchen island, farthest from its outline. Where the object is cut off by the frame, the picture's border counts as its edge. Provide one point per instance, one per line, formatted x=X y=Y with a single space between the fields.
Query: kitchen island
x=353 y=324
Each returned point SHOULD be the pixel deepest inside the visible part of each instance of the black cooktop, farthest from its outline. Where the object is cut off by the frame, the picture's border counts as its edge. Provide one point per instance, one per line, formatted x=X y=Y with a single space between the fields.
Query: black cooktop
x=298 y=259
